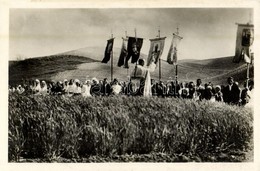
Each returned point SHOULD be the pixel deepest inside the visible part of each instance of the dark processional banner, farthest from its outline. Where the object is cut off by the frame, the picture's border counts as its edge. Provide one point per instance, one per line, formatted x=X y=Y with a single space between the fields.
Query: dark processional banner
x=108 y=51
x=134 y=46
x=123 y=53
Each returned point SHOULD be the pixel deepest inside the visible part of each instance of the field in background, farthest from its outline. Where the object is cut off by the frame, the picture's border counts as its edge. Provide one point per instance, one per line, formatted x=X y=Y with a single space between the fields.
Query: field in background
x=125 y=129
x=85 y=64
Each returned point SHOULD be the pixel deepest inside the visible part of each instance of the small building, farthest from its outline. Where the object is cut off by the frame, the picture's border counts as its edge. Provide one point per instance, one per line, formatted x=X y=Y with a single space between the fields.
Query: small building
x=244 y=41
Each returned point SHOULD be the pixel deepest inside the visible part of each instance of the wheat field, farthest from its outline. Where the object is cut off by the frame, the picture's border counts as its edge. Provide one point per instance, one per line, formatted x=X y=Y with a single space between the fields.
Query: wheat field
x=126 y=129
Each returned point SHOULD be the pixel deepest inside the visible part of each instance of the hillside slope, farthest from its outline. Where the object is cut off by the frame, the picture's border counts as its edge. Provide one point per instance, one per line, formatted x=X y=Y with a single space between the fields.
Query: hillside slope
x=85 y=64
x=43 y=67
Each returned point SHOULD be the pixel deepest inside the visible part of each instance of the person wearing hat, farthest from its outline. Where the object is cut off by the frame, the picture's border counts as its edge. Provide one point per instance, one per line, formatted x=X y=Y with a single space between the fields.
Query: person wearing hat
x=231 y=93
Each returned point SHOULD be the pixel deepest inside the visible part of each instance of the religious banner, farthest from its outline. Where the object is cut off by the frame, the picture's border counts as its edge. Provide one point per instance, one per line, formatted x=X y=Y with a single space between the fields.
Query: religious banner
x=108 y=51
x=172 y=54
x=133 y=48
x=123 y=53
x=156 y=50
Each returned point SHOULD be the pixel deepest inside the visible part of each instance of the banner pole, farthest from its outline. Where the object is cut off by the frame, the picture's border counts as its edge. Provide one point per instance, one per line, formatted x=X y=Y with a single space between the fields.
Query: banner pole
x=176 y=73
x=136 y=61
x=111 y=60
x=112 y=66
x=160 y=72
x=175 y=90
x=127 y=68
x=247 y=74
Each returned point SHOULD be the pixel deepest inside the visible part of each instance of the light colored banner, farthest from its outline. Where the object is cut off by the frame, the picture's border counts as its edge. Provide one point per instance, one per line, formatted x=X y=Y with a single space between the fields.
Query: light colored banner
x=156 y=50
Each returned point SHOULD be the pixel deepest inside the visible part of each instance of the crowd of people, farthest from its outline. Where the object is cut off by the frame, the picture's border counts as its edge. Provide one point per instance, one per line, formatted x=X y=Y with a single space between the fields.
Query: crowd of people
x=231 y=93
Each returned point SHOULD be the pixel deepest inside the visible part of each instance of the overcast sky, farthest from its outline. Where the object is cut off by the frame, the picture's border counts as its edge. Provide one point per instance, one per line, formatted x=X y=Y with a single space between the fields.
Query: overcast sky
x=207 y=33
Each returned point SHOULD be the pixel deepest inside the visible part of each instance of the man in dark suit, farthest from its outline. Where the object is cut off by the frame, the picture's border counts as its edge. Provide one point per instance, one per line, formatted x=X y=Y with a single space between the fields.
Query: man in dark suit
x=231 y=93
x=106 y=88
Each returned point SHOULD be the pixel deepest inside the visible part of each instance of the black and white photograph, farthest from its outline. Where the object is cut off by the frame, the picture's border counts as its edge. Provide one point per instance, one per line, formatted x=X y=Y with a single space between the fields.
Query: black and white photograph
x=162 y=85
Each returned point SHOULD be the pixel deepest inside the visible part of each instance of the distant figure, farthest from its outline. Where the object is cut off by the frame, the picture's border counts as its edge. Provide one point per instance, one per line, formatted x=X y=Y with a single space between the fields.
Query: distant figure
x=192 y=90
x=184 y=90
x=250 y=94
x=246 y=94
x=59 y=88
x=78 y=88
x=86 y=89
x=200 y=89
x=208 y=92
x=129 y=88
x=140 y=76
x=218 y=94
x=153 y=84
x=106 y=88
x=95 y=88
x=65 y=86
x=231 y=93
x=71 y=88
x=161 y=89
x=37 y=87
x=44 y=89
x=20 y=89
x=116 y=88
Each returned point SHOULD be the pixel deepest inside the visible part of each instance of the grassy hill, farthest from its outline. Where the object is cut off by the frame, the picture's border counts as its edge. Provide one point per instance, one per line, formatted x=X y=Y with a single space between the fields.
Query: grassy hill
x=85 y=64
x=43 y=67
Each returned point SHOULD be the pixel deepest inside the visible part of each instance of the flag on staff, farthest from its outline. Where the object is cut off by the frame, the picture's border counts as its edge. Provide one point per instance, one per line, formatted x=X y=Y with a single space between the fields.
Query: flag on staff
x=246 y=55
x=108 y=50
x=133 y=48
x=172 y=54
x=123 y=53
x=156 y=50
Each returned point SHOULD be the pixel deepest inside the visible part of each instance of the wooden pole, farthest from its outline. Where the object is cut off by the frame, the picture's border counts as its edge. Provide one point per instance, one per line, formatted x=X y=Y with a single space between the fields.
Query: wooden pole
x=160 y=72
x=175 y=90
x=247 y=74
x=123 y=42
x=136 y=61
x=111 y=56
x=176 y=73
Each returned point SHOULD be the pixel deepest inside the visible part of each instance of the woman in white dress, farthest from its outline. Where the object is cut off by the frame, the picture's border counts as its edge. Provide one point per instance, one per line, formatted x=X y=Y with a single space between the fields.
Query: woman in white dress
x=37 y=88
x=85 y=91
x=78 y=87
x=44 y=89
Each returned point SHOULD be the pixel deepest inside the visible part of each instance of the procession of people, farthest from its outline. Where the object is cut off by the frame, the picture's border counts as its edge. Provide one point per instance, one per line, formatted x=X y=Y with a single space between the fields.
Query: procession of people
x=231 y=93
